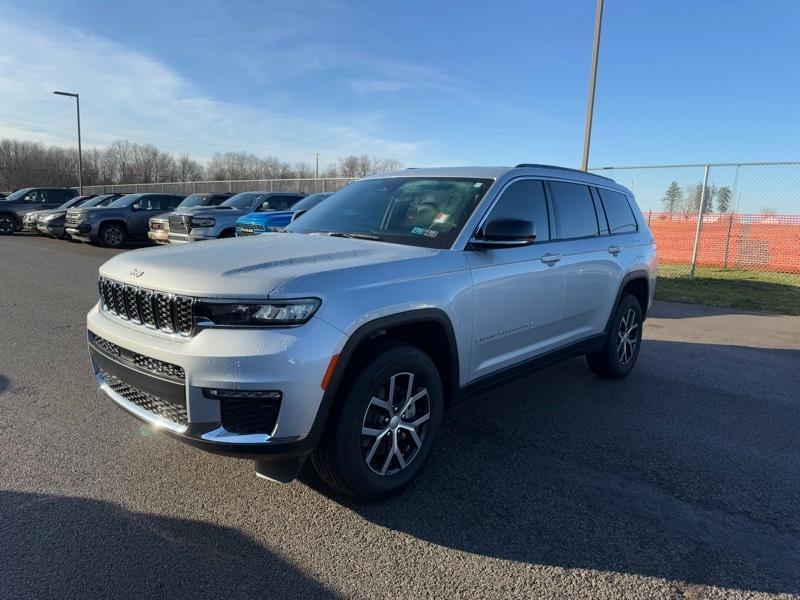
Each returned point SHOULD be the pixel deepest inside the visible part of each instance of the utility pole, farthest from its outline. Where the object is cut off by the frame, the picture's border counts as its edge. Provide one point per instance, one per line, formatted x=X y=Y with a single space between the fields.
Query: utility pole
x=316 y=170
x=587 y=136
x=80 y=153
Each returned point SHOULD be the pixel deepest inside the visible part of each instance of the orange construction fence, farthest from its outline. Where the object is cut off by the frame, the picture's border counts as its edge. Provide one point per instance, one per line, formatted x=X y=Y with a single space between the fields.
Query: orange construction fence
x=729 y=241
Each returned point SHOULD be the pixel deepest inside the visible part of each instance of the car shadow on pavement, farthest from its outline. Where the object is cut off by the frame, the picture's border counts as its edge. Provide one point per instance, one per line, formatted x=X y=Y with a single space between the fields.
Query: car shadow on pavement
x=68 y=547
x=687 y=471
x=4 y=383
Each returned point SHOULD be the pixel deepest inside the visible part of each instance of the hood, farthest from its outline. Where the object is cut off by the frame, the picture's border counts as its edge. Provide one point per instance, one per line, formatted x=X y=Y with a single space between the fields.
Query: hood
x=86 y=211
x=39 y=213
x=210 y=211
x=267 y=217
x=53 y=214
x=252 y=267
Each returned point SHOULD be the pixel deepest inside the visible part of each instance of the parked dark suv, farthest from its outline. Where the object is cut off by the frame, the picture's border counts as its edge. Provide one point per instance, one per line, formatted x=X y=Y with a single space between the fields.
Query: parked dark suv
x=15 y=206
x=125 y=218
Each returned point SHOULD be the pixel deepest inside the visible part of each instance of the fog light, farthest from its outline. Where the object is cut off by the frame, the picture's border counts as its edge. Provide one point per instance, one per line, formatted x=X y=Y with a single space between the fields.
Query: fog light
x=218 y=394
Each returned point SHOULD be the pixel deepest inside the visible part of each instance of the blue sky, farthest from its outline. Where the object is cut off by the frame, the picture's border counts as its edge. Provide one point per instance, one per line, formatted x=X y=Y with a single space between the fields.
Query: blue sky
x=423 y=82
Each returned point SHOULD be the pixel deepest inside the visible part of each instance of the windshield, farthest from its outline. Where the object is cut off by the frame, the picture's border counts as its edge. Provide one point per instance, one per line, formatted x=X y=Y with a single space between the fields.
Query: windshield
x=18 y=194
x=194 y=200
x=244 y=200
x=76 y=201
x=124 y=201
x=310 y=201
x=416 y=211
x=104 y=200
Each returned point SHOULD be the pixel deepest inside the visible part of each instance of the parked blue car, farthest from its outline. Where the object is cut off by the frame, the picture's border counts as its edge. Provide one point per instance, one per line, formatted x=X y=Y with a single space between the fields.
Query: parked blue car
x=274 y=220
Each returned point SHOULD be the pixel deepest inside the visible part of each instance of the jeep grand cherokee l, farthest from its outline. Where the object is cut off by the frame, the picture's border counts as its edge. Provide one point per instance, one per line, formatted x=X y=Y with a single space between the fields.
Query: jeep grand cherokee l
x=125 y=218
x=346 y=337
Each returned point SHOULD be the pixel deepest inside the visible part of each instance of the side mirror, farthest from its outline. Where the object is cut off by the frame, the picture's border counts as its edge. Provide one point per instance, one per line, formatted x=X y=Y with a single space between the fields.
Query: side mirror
x=136 y=206
x=505 y=233
x=265 y=206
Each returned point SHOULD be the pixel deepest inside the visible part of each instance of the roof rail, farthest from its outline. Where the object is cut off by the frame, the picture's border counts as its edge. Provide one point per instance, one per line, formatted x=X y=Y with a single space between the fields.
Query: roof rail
x=534 y=165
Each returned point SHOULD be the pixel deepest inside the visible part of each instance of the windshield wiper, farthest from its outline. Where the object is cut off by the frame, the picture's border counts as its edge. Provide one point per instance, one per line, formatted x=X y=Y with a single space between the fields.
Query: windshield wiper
x=354 y=236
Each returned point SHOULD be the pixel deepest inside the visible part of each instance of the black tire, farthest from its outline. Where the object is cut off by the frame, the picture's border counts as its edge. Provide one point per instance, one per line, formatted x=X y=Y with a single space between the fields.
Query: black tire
x=621 y=349
x=112 y=235
x=9 y=223
x=228 y=233
x=349 y=460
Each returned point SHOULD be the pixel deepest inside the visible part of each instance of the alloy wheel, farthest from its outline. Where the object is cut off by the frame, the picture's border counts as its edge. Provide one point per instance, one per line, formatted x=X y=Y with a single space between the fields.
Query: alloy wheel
x=395 y=424
x=627 y=336
x=112 y=236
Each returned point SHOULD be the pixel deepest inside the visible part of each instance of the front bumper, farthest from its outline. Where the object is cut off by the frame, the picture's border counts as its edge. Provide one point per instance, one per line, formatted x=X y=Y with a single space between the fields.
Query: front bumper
x=194 y=236
x=82 y=231
x=228 y=359
x=158 y=236
x=51 y=230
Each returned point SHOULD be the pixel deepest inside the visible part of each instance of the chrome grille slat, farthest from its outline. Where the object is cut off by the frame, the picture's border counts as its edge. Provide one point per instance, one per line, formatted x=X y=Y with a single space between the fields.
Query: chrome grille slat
x=146 y=308
x=164 y=312
x=119 y=300
x=156 y=310
x=130 y=294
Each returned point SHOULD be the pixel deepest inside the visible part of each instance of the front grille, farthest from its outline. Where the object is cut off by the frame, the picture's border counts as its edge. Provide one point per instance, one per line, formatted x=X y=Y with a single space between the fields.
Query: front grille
x=72 y=218
x=152 y=404
x=180 y=223
x=146 y=363
x=249 y=229
x=245 y=415
x=156 y=310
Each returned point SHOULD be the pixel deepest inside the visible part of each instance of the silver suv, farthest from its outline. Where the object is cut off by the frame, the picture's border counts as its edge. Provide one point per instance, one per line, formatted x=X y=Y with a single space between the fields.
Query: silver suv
x=347 y=336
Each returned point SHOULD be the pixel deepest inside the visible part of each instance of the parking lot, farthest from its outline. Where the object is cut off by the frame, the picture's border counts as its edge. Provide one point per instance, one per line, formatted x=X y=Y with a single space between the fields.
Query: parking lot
x=679 y=481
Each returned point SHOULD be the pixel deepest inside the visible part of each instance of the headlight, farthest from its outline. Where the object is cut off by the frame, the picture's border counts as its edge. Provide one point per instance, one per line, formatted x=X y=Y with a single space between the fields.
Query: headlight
x=155 y=225
x=203 y=222
x=261 y=314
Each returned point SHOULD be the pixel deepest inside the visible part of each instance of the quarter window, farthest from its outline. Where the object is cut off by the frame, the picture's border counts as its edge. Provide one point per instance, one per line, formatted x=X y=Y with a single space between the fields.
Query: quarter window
x=525 y=200
x=574 y=210
x=618 y=211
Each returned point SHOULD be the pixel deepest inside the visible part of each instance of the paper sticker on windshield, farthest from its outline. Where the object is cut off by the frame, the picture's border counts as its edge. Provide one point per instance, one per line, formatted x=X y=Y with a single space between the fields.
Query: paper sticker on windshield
x=440 y=217
x=426 y=232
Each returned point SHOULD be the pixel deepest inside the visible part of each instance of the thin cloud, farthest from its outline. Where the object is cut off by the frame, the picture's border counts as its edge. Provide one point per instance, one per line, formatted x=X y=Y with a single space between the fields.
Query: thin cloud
x=128 y=94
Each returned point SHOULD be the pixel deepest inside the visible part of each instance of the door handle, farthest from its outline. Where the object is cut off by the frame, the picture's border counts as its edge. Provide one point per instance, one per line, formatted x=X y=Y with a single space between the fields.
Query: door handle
x=551 y=259
x=614 y=250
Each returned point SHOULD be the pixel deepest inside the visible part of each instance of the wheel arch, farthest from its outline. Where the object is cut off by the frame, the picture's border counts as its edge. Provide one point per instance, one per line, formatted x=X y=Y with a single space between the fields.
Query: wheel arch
x=112 y=221
x=438 y=340
x=636 y=283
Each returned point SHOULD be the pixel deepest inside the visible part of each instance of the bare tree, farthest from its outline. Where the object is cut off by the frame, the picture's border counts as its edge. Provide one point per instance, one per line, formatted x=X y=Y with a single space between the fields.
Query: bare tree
x=25 y=164
x=363 y=165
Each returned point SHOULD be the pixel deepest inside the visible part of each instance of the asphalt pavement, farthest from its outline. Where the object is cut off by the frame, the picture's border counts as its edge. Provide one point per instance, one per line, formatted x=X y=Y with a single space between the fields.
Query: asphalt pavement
x=683 y=480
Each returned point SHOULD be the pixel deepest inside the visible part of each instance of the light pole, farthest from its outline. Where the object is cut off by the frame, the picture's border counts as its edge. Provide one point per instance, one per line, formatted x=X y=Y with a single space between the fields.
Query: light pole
x=587 y=136
x=80 y=155
x=316 y=170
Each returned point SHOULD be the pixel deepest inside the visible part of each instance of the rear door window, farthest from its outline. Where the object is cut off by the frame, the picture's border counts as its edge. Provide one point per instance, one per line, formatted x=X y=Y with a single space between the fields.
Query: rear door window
x=573 y=209
x=618 y=211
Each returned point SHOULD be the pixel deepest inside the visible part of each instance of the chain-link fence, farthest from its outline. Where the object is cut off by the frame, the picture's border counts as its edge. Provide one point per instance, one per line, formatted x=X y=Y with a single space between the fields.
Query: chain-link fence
x=307 y=186
x=720 y=217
